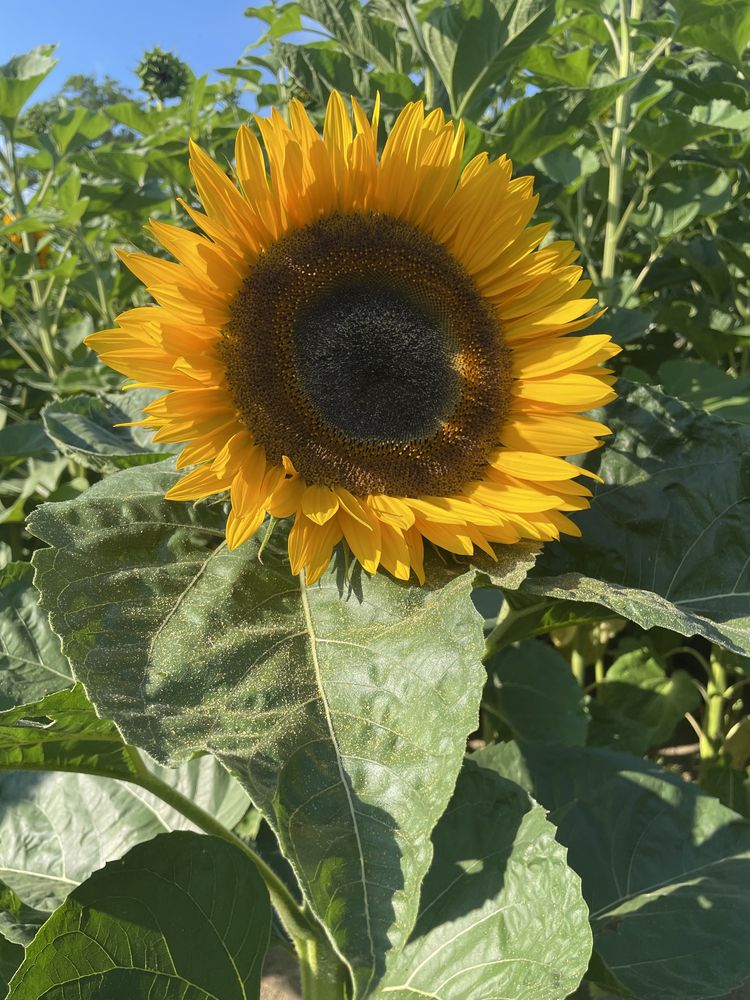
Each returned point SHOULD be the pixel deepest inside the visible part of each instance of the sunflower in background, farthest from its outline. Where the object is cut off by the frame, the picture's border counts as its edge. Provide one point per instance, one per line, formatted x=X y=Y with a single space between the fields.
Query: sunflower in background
x=375 y=347
x=17 y=241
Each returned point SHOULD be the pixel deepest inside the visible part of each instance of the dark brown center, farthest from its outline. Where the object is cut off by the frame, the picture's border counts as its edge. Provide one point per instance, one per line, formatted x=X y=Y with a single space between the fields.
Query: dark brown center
x=359 y=348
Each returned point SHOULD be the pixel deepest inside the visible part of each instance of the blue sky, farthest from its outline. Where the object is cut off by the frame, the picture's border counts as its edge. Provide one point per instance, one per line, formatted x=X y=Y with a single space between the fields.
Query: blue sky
x=104 y=36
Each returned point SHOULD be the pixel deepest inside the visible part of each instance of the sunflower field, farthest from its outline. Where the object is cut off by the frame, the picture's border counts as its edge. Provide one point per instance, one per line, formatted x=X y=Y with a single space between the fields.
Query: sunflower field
x=375 y=510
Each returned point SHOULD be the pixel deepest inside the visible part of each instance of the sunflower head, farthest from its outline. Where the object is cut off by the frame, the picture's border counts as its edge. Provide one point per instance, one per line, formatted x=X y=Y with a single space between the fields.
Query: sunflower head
x=374 y=346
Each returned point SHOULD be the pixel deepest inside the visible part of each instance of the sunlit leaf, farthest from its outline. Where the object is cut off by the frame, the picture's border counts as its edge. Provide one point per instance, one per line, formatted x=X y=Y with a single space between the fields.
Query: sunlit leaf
x=665 y=869
x=309 y=694
x=501 y=913
x=20 y=77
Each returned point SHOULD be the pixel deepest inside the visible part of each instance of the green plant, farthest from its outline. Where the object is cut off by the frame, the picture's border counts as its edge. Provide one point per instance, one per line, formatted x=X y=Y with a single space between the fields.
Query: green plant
x=343 y=815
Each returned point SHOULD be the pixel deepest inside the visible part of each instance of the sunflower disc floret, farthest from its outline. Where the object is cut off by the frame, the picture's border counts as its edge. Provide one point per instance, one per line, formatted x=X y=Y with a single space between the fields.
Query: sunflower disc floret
x=375 y=347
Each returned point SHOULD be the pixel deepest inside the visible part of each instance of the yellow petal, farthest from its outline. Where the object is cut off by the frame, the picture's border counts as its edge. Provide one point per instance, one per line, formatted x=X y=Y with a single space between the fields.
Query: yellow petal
x=319 y=503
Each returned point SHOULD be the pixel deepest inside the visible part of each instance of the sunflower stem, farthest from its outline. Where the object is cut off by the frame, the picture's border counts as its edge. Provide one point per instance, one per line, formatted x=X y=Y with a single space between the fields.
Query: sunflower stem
x=300 y=925
x=630 y=10
x=322 y=973
x=712 y=737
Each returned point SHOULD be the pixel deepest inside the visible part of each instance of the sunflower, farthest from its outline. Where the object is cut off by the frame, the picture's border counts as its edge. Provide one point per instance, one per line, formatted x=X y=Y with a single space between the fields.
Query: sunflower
x=373 y=346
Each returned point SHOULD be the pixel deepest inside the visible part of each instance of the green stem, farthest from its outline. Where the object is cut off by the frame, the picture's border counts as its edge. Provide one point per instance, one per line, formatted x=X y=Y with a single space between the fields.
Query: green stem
x=323 y=975
x=431 y=76
x=578 y=666
x=713 y=728
x=298 y=924
x=618 y=145
x=47 y=347
x=599 y=670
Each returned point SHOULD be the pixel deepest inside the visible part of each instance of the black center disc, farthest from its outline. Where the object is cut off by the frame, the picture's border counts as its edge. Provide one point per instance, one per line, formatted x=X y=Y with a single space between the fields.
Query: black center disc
x=375 y=364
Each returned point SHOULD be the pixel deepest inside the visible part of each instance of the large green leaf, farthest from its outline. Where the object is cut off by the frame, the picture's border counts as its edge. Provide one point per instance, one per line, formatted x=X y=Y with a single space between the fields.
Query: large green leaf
x=721 y=26
x=56 y=828
x=665 y=869
x=704 y=385
x=183 y=917
x=501 y=913
x=540 y=122
x=20 y=77
x=475 y=43
x=343 y=707
x=532 y=690
x=666 y=539
x=31 y=662
x=62 y=732
x=84 y=427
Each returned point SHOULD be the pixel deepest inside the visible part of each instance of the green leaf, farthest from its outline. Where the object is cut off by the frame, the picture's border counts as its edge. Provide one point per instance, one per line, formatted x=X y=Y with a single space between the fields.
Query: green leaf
x=132 y=929
x=475 y=43
x=721 y=114
x=80 y=124
x=280 y=18
x=704 y=385
x=31 y=663
x=308 y=694
x=11 y=956
x=665 y=869
x=720 y=26
x=638 y=705
x=25 y=440
x=730 y=785
x=574 y=69
x=533 y=691
x=83 y=427
x=501 y=913
x=541 y=122
x=18 y=922
x=569 y=167
x=63 y=732
x=670 y=135
x=666 y=539
x=62 y=826
x=20 y=77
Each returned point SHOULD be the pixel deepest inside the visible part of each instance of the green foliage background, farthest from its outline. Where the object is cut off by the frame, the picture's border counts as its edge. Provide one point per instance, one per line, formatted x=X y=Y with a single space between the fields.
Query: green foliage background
x=596 y=842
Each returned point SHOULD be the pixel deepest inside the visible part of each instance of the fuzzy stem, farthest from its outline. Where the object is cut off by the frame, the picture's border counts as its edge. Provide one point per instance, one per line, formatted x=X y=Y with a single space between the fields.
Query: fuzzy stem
x=323 y=975
x=618 y=145
x=713 y=727
x=297 y=923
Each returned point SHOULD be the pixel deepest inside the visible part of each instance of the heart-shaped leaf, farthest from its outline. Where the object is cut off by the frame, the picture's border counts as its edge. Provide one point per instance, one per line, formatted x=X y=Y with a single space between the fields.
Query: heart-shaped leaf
x=182 y=916
x=343 y=707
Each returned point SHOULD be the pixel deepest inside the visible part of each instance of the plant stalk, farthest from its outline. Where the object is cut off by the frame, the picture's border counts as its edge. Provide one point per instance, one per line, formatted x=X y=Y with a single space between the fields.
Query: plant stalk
x=298 y=924
x=712 y=738
x=617 y=149
x=323 y=974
